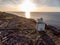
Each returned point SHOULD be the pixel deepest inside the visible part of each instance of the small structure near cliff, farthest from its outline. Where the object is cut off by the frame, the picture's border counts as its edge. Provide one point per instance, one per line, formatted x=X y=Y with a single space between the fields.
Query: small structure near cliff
x=40 y=25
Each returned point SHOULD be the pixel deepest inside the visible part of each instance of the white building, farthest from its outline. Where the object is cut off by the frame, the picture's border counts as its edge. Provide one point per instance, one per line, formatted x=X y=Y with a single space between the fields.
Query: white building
x=40 y=25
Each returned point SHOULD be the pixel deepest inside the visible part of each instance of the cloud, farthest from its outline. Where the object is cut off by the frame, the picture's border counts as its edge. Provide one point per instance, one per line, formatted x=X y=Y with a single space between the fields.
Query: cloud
x=51 y=3
x=3 y=2
x=41 y=4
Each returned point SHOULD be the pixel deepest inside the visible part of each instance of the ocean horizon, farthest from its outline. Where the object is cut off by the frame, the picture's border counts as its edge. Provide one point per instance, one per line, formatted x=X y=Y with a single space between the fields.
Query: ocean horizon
x=51 y=18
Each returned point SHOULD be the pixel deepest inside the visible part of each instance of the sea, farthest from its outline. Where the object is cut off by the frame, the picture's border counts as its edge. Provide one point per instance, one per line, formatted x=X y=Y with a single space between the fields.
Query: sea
x=50 y=18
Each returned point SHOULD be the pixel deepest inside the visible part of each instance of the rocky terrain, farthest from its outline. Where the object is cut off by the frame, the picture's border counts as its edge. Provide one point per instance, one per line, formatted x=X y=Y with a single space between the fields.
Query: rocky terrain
x=15 y=30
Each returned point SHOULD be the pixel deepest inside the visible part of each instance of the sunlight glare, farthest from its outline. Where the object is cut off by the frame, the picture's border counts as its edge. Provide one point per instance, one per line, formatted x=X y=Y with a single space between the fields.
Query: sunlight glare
x=27 y=6
x=27 y=14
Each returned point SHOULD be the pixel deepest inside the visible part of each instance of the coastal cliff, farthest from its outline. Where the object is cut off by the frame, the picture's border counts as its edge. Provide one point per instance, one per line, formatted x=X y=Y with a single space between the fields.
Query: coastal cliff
x=21 y=30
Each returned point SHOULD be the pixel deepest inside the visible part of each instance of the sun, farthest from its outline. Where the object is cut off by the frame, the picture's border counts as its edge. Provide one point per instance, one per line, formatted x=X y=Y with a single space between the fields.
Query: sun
x=27 y=6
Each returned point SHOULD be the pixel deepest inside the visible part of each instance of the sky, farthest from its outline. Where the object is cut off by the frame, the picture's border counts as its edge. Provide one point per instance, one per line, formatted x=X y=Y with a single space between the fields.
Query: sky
x=42 y=5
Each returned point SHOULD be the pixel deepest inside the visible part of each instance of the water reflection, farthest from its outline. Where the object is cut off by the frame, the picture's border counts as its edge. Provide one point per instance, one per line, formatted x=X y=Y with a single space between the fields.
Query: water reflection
x=49 y=17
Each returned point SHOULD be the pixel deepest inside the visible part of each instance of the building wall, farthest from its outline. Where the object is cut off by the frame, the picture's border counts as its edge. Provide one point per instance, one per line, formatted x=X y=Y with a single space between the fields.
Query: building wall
x=41 y=27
